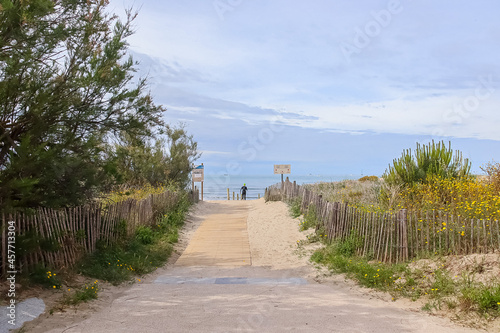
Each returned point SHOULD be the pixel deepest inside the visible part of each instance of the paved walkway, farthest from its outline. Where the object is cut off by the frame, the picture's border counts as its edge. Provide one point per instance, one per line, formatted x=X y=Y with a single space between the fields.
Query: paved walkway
x=221 y=240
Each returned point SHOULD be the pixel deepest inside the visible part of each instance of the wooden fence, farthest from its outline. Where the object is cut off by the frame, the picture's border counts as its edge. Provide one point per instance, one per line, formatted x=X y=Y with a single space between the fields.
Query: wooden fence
x=59 y=238
x=393 y=236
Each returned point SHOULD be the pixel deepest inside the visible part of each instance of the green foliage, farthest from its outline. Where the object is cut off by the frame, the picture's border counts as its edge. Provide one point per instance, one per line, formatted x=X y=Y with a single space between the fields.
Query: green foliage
x=144 y=235
x=443 y=283
x=27 y=243
x=139 y=163
x=339 y=257
x=121 y=229
x=50 y=244
x=45 y=276
x=486 y=299
x=310 y=218
x=87 y=293
x=65 y=90
x=428 y=160
x=294 y=206
x=349 y=246
x=148 y=249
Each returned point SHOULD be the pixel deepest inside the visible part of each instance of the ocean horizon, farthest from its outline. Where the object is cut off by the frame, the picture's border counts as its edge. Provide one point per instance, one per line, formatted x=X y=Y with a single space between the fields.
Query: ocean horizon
x=215 y=186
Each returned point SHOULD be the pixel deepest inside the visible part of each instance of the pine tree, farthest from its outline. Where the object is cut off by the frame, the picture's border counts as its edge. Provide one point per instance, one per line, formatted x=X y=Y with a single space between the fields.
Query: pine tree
x=66 y=89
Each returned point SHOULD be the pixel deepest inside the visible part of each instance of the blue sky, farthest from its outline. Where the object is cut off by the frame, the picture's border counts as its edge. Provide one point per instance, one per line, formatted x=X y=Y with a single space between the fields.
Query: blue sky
x=331 y=87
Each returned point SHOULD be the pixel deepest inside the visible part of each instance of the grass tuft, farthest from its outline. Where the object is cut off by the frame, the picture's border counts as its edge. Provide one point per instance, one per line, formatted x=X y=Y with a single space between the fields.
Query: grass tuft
x=86 y=293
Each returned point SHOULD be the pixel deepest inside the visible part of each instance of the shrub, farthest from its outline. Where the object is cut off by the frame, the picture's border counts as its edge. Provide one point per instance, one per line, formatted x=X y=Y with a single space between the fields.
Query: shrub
x=85 y=294
x=368 y=178
x=485 y=299
x=492 y=170
x=294 y=206
x=45 y=276
x=428 y=160
x=465 y=197
x=361 y=194
x=144 y=234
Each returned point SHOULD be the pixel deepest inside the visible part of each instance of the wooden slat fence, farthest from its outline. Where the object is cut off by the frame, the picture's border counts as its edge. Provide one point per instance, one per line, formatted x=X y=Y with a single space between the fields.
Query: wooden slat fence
x=393 y=236
x=59 y=238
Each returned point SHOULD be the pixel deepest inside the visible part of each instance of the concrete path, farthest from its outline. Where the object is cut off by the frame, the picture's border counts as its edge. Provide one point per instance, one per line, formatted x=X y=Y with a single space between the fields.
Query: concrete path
x=213 y=288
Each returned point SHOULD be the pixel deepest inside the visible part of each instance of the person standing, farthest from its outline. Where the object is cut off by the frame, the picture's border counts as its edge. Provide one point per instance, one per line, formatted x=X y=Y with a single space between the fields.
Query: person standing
x=243 y=192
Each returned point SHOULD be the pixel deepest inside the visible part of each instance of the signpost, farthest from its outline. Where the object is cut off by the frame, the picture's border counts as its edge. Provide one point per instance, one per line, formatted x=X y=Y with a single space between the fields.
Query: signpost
x=280 y=169
x=198 y=175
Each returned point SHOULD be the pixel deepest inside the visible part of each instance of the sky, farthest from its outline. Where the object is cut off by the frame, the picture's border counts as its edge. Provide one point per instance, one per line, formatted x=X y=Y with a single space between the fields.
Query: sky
x=330 y=87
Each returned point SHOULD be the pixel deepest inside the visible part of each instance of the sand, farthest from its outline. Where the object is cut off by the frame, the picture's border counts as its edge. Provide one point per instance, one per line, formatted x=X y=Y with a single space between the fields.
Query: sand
x=273 y=236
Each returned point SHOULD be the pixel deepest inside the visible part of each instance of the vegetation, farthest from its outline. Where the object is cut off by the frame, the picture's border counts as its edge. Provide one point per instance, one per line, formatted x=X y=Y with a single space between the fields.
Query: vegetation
x=438 y=286
x=463 y=196
x=310 y=218
x=492 y=171
x=428 y=160
x=368 y=179
x=294 y=205
x=67 y=91
x=46 y=277
x=140 y=164
x=149 y=248
x=466 y=197
x=361 y=194
x=126 y=192
x=86 y=293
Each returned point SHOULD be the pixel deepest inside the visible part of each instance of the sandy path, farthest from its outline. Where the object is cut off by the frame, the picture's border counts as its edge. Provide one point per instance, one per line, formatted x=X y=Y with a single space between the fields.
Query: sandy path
x=273 y=236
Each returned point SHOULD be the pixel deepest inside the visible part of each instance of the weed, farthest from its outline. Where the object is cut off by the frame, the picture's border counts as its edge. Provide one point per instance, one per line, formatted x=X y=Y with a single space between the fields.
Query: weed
x=294 y=206
x=144 y=234
x=485 y=298
x=451 y=304
x=85 y=294
x=442 y=283
x=429 y=306
x=310 y=218
x=368 y=178
x=45 y=276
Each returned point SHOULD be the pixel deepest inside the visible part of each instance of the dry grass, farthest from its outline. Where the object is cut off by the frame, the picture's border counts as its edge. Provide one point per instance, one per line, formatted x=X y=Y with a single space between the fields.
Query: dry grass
x=355 y=192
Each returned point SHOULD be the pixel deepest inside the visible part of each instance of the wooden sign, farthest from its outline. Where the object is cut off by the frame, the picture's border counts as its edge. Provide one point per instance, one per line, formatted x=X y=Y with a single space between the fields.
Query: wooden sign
x=282 y=169
x=198 y=173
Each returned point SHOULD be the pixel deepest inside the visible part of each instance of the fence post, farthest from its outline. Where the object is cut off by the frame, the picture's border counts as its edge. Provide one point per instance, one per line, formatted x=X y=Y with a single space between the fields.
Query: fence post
x=403 y=223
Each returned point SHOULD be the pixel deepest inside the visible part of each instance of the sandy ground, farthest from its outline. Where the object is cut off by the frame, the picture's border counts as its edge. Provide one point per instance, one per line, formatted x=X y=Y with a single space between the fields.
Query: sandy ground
x=273 y=237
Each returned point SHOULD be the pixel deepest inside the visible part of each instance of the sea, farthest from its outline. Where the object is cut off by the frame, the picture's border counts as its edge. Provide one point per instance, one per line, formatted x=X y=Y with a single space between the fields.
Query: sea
x=215 y=186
